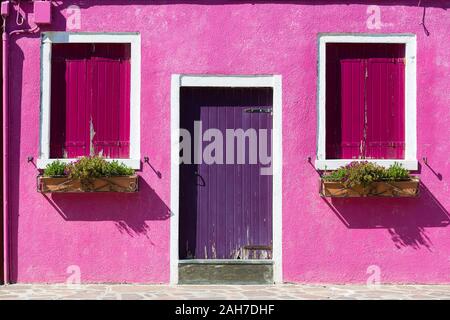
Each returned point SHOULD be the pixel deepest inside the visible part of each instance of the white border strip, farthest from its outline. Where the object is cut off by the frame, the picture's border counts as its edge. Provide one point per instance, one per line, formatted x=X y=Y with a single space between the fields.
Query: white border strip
x=174 y=174
x=273 y=81
x=133 y=163
x=410 y=162
x=226 y=81
x=277 y=194
x=134 y=39
x=333 y=164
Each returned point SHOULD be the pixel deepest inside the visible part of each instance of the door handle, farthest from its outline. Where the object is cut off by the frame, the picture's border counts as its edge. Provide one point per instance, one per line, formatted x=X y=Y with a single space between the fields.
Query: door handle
x=203 y=183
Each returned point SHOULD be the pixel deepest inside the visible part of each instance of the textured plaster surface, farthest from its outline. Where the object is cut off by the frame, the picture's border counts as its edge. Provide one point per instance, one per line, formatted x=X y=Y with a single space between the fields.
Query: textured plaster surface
x=215 y=292
x=125 y=237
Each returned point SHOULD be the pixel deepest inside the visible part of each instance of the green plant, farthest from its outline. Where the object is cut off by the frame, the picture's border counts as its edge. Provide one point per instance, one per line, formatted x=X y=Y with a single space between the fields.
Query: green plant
x=336 y=175
x=55 y=169
x=363 y=173
x=95 y=167
x=88 y=168
x=116 y=168
x=397 y=172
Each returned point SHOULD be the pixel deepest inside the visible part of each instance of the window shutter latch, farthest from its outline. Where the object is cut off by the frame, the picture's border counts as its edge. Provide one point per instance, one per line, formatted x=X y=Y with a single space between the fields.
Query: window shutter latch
x=258 y=110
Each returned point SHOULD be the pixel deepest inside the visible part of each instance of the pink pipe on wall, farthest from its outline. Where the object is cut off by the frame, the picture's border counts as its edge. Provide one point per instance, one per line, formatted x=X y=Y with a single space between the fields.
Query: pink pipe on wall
x=5 y=39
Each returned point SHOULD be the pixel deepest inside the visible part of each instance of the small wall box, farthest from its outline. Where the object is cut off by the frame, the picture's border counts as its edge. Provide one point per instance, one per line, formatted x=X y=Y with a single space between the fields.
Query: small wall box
x=5 y=8
x=42 y=12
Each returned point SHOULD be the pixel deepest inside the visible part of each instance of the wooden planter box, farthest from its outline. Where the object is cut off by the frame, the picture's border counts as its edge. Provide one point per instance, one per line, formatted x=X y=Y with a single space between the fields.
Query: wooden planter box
x=104 y=184
x=407 y=188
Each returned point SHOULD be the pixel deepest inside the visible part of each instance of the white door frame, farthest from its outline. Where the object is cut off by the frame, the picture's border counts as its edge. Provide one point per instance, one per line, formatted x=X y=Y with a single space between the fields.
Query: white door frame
x=273 y=81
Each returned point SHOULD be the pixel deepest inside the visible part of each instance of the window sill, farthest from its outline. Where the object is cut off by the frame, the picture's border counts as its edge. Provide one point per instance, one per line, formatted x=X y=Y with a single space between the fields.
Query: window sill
x=336 y=163
x=132 y=163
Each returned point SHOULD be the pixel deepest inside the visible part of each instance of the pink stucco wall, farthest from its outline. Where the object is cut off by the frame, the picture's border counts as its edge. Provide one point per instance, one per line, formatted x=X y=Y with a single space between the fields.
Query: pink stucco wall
x=125 y=238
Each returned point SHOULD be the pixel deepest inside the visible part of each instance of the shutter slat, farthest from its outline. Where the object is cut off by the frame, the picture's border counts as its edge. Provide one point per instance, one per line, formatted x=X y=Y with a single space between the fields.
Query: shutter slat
x=76 y=82
x=58 y=110
x=333 y=105
x=352 y=108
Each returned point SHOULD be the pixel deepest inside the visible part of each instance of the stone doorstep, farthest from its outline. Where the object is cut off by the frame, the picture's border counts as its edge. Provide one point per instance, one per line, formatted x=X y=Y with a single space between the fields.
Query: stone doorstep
x=225 y=273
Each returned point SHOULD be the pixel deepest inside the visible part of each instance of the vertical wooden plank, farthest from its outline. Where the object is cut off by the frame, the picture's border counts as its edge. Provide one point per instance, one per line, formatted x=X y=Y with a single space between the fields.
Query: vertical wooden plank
x=255 y=181
x=267 y=180
x=398 y=115
x=211 y=213
x=70 y=83
x=333 y=103
x=247 y=183
x=90 y=105
x=189 y=178
x=229 y=187
x=202 y=199
x=58 y=110
x=82 y=124
x=222 y=205
x=75 y=108
x=95 y=95
x=124 y=107
x=113 y=105
x=2 y=248
x=373 y=111
x=101 y=125
x=352 y=108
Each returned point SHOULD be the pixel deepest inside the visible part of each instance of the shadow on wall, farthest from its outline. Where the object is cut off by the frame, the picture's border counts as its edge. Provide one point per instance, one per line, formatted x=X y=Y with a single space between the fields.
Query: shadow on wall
x=404 y=218
x=129 y=211
x=16 y=58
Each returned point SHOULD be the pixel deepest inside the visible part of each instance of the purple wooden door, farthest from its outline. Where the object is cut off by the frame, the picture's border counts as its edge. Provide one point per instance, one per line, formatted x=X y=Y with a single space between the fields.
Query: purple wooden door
x=226 y=209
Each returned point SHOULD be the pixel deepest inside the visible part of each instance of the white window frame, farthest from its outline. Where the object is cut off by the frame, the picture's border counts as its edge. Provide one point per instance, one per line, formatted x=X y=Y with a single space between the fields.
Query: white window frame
x=410 y=161
x=48 y=38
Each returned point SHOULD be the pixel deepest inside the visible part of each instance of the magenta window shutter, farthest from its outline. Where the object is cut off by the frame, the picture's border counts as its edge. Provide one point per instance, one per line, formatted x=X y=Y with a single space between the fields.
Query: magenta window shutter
x=90 y=101
x=333 y=105
x=124 y=110
x=111 y=107
x=385 y=108
x=365 y=103
x=68 y=101
x=352 y=108
x=58 y=110
x=76 y=108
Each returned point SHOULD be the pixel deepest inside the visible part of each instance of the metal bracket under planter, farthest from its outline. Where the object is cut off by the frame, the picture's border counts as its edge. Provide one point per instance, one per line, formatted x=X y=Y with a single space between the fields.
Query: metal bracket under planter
x=407 y=188
x=103 y=184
